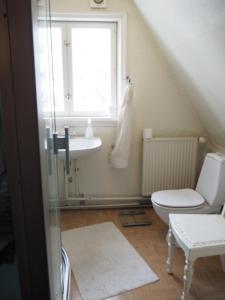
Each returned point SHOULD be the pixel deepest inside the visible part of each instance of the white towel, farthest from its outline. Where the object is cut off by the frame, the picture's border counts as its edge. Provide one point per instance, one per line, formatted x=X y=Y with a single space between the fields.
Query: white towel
x=119 y=157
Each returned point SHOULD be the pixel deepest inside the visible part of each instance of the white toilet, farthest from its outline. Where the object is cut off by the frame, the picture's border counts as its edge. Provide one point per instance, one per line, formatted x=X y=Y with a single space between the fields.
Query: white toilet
x=208 y=197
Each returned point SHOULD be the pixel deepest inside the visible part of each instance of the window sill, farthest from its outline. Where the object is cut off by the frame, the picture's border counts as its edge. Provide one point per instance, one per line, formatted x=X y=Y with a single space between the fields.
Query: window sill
x=82 y=122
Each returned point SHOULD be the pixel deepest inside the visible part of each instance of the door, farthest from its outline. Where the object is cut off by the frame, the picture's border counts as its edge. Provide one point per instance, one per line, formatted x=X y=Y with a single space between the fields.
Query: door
x=47 y=126
x=9 y=277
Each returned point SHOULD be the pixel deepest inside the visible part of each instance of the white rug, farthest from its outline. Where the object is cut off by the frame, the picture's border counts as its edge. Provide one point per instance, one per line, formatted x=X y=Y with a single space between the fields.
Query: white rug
x=103 y=262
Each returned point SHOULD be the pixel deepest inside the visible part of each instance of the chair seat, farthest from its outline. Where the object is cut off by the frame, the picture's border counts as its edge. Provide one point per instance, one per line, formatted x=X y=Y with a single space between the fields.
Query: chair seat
x=183 y=198
x=197 y=231
x=198 y=236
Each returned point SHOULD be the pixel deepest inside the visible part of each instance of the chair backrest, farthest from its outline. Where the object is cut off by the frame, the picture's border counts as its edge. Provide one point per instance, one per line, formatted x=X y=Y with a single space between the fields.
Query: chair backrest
x=223 y=211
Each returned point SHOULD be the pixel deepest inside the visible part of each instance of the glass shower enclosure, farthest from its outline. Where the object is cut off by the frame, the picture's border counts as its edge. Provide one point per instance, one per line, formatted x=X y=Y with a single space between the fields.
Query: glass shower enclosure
x=59 y=267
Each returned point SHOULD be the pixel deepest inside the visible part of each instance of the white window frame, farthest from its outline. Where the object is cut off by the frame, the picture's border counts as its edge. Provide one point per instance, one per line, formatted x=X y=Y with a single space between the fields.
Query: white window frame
x=121 y=22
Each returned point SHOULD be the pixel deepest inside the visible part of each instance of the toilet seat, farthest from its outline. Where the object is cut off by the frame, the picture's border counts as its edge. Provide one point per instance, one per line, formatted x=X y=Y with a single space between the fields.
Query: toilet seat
x=184 y=198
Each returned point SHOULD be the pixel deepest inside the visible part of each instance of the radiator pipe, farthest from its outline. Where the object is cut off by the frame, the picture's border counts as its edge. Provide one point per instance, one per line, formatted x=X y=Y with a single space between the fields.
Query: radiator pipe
x=77 y=198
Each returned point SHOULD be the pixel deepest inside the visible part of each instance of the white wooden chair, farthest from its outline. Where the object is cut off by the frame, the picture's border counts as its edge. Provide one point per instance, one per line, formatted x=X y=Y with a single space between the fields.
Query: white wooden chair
x=198 y=236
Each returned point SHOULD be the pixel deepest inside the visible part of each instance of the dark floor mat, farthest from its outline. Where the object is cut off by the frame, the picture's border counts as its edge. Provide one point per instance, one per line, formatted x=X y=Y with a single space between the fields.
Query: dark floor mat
x=134 y=218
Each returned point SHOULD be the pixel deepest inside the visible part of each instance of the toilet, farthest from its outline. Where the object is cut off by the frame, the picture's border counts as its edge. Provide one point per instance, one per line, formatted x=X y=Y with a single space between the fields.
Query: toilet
x=207 y=198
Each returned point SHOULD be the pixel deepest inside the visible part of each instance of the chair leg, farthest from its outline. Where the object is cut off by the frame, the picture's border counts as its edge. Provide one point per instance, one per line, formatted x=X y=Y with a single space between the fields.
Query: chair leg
x=222 y=259
x=171 y=243
x=188 y=272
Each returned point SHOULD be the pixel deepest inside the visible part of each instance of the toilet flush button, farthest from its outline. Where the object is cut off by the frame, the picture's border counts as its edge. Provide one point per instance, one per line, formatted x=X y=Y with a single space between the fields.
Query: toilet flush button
x=202 y=140
x=98 y=4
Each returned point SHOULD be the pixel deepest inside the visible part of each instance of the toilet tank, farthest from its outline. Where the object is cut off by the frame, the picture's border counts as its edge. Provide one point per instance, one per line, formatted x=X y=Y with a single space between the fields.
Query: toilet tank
x=211 y=182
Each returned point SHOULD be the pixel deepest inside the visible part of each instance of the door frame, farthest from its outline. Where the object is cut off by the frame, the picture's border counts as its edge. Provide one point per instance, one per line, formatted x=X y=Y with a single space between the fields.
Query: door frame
x=20 y=121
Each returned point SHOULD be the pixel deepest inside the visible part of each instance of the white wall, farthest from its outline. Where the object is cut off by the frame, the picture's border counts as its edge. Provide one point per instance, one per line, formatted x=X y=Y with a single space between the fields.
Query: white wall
x=191 y=34
x=158 y=103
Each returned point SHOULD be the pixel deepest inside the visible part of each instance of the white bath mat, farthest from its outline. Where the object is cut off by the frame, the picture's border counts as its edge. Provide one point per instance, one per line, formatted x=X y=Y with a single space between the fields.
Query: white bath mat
x=103 y=262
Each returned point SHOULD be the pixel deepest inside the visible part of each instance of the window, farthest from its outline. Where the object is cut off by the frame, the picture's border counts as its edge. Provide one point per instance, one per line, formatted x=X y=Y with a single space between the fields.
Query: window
x=86 y=67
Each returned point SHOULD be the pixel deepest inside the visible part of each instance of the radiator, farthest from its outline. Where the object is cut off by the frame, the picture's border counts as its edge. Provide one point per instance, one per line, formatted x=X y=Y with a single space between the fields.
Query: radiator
x=168 y=163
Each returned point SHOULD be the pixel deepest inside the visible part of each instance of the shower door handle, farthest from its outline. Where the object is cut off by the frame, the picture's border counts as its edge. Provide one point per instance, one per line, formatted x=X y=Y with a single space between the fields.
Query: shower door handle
x=67 y=148
x=63 y=143
x=49 y=150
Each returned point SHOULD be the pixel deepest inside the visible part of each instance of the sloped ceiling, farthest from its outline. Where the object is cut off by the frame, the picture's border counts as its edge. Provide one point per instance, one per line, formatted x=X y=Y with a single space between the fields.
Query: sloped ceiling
x=192 y=35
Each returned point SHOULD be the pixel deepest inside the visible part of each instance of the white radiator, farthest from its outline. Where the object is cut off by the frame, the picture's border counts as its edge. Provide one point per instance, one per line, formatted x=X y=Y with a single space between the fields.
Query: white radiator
x=168 y=163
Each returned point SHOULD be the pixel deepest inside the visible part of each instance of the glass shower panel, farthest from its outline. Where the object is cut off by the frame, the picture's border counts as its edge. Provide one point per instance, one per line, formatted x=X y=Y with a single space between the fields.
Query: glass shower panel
x=46 y=118
x=57 y=65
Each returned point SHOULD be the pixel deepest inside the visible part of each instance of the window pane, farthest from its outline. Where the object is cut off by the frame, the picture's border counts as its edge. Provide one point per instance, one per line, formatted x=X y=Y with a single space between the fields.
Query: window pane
x=58 y=68
x=91 y=67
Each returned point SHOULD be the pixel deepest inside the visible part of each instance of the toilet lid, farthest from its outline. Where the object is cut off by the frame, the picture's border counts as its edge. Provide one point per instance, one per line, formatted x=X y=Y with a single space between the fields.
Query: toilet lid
x=178 y=198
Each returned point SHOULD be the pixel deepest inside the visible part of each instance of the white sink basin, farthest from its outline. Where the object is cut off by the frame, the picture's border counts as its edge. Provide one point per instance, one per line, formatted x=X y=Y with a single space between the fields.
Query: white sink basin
x=81 y=146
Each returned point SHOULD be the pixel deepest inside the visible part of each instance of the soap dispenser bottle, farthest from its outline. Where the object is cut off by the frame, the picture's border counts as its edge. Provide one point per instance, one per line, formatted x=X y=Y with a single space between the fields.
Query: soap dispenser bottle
x=89 y=129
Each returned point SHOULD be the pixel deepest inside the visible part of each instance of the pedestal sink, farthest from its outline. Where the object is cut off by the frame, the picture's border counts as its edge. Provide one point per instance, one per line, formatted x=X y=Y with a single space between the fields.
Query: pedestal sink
x=81 y=146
